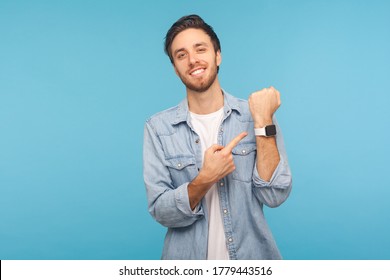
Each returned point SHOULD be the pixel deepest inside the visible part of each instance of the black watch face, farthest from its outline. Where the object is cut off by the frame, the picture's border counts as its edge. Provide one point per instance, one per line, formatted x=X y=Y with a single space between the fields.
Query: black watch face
x=270 y=130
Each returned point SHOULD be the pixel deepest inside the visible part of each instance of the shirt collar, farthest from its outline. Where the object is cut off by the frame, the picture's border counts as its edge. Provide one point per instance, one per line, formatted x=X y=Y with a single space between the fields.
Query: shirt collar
x=229 y=103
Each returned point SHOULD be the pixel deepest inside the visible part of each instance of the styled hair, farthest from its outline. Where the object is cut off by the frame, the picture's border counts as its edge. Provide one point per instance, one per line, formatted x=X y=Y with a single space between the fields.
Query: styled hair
x=191 y=21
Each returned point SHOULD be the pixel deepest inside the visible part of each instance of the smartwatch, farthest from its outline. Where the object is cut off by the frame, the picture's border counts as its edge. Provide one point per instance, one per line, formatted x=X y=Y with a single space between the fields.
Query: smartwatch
x=267 y=131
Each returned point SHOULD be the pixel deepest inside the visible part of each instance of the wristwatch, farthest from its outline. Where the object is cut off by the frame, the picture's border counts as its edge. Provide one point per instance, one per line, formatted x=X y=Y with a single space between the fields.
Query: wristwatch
x=267 y=131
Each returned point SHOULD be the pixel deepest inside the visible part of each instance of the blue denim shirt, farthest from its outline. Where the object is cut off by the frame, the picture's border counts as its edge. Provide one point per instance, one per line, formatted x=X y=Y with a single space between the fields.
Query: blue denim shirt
x=172 y=159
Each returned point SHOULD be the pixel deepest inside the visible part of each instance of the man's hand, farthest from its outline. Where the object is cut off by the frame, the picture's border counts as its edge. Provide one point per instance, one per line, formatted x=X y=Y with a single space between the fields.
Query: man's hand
x=218 y=162
x=263 y=105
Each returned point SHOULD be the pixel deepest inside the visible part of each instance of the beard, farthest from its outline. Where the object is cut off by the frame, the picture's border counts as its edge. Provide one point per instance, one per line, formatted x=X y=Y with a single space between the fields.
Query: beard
x=200 y=85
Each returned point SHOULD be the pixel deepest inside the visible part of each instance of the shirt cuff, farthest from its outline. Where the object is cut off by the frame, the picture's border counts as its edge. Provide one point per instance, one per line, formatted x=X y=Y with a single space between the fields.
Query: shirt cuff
x=183 y=202
x=259 y=182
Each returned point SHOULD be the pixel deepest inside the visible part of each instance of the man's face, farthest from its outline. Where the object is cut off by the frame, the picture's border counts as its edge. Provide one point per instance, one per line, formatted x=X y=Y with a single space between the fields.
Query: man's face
x=194 y=59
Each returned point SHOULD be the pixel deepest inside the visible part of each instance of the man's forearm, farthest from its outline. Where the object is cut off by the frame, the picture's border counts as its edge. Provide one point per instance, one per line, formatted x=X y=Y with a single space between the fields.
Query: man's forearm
x=263 y=105
x=267 y=157
x=197 y=189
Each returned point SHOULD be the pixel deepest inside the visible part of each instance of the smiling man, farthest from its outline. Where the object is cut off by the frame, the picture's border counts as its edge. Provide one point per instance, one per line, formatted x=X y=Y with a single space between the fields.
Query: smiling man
x=213 y=161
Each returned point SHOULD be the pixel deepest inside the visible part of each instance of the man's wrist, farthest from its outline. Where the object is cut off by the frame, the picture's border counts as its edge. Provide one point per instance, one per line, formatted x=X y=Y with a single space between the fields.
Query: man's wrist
x=197 y=189
x=201 y=181
x=262 y=122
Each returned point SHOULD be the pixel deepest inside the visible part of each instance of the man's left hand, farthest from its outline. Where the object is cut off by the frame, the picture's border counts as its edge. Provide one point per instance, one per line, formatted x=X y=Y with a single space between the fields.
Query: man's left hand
x=263 y=105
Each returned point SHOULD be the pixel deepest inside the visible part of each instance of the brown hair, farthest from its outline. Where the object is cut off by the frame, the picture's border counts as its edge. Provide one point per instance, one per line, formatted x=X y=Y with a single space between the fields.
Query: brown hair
x=191 y=21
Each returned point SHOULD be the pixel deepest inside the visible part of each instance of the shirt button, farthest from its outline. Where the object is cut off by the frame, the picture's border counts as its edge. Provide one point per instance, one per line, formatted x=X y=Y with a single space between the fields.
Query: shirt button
x=221 y=184
x=230 y=239
x=221 y=129
x=228 y=111
x=225 y=211
x=243 y=152
x=179 y=165
x=197 y=141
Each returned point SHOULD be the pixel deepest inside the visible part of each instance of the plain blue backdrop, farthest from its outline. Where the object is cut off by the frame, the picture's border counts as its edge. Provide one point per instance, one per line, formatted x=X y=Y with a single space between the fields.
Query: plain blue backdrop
x=78 y=79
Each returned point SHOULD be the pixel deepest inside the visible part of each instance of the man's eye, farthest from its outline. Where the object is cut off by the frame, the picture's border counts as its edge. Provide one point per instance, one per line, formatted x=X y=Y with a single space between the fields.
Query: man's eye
x=201 y=50
x=181 y=55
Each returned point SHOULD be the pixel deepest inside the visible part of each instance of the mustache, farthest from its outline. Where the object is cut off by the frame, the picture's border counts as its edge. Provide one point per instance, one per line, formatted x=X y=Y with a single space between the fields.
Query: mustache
x=192 y=67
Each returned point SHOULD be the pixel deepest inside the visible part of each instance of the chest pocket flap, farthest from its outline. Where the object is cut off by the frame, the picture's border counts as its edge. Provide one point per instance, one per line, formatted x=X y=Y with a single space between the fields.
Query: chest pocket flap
x=244 y=156
x=182 y=169
x=244 y=149
x=180 y=163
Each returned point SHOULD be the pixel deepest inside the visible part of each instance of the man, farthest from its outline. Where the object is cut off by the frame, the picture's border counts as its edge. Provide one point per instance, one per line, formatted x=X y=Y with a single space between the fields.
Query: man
x=207 y=174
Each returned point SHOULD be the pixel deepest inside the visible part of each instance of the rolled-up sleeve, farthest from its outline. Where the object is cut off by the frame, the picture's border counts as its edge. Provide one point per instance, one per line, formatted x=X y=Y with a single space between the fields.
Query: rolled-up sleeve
x=275 y=191
x=168 y=204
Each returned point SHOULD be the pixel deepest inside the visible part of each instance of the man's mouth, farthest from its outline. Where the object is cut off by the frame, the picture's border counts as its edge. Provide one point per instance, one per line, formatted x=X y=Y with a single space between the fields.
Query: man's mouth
x=197 y=71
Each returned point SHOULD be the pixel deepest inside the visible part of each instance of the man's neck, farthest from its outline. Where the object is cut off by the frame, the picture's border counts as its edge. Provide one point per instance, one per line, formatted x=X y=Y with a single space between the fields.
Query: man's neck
x=206 y=102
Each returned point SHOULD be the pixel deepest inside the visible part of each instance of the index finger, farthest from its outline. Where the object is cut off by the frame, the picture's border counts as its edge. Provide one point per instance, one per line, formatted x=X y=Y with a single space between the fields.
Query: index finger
x=235 y=141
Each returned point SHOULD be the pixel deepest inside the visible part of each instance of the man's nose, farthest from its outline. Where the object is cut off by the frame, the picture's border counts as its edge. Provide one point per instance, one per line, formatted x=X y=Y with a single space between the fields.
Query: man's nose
x=193 y=58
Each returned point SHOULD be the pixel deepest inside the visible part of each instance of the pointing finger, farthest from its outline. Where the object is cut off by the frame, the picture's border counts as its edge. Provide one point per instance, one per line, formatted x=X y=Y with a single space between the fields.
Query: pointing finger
x=215 y=148
x=235 y=141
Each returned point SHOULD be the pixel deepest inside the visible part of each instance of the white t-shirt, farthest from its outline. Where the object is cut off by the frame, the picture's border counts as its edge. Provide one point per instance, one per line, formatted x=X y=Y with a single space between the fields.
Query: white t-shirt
x=206 y=126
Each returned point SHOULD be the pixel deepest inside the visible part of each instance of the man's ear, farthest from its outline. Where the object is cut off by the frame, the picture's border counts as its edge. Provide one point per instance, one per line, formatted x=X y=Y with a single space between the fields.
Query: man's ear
x=219 y=58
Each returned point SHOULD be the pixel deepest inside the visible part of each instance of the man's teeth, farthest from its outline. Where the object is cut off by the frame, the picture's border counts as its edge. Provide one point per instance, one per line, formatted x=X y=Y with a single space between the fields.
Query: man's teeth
x=196 y=72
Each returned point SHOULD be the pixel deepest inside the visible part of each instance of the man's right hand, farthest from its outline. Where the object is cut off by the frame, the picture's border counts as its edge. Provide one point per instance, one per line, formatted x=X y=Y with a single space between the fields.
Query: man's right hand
x=218 y=162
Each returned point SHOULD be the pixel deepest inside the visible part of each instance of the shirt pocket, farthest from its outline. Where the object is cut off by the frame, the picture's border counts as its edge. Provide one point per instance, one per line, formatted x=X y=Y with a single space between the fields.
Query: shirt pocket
x=182 y=169
x=244 y=156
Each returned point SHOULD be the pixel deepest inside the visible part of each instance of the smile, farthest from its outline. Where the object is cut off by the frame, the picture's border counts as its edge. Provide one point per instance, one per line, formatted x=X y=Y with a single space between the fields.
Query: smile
x=197 y=72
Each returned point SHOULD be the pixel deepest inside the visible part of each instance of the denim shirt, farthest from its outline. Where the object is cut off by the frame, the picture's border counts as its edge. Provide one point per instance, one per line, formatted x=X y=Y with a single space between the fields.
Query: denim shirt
x=172 y=159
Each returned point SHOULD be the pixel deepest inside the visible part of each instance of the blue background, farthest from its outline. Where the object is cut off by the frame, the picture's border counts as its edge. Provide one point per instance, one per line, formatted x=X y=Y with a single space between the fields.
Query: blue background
x=78 y=79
